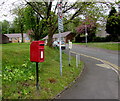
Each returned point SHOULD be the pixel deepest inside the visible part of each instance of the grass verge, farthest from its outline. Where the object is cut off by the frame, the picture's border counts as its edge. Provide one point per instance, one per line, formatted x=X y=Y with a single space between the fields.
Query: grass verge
x=18 y=79
x=104 y=45
x=0 y=71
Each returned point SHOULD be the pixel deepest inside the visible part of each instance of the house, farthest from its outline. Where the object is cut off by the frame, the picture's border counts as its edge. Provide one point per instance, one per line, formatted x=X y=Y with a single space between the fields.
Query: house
x=3 y=39
x=101 y=32
x=65 y=36
x=16 y=37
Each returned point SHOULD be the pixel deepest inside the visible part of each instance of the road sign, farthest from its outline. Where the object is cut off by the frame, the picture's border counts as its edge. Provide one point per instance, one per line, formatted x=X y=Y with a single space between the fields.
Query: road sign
x=60 y=10
x=86 y=34
x=60 y=18
x=60 y=24
x=70 y=45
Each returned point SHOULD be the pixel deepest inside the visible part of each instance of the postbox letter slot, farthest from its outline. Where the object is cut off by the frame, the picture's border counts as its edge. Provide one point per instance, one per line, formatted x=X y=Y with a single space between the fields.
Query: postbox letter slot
x=41 y=44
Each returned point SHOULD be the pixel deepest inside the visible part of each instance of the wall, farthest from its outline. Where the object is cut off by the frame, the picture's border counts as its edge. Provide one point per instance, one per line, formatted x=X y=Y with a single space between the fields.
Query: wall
x=69 y=37
x=17 y=40
x=3 y=39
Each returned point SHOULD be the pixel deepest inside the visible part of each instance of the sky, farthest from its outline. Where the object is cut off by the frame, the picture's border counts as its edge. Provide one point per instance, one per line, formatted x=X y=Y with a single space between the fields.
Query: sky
x=6 y=7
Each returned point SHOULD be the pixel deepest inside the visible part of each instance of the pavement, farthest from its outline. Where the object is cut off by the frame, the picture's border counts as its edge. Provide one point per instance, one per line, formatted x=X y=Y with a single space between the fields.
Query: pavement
x=100 y=78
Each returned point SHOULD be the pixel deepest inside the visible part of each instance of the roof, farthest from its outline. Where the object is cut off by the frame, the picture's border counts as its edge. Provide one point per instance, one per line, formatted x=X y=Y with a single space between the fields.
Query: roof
x=3 y=39
x=15 y=35
x=57 y=35
x=3 y=36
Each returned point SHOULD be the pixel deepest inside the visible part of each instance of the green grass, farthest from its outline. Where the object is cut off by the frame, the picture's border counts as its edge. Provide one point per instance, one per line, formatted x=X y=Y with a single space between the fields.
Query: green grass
x=105 y=45
x=18 y=79
x=0 y=71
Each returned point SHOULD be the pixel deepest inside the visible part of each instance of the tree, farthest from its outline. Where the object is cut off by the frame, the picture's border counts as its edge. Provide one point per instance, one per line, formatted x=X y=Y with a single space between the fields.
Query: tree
x=33 y=24
x=113 y=25
x=73 y=24
x=19 y=20
x=112 y=12
x=0 y=27
x=12 y=28
x=5 y=27
x=48 y=15
x=90 y=25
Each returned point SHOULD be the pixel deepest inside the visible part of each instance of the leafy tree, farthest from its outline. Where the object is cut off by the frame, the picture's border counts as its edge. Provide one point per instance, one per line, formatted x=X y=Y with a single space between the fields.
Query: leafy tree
x=90 y=25
x=43 y=17
x=112 y=12
x=12 y=28
x=5 y=27
x=47 y=12
x=0 y=27
x=33 y=24
x=113 y=25
x=73 y=24
x=19 y=20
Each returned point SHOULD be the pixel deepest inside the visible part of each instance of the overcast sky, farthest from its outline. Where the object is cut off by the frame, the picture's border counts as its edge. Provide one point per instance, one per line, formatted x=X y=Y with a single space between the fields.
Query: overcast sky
x=7 y=5
x=5 y=9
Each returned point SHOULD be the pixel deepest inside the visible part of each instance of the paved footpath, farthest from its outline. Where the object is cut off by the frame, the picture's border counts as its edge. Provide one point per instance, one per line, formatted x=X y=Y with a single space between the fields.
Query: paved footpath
x=99 y=79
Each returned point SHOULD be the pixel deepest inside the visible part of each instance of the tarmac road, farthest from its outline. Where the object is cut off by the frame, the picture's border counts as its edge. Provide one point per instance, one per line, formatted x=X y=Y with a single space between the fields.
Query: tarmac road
x=99 y=79
x=108 y=55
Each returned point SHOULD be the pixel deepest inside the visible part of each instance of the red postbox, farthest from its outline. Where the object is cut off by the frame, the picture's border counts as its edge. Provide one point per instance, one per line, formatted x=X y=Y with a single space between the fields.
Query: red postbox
x=37 y=51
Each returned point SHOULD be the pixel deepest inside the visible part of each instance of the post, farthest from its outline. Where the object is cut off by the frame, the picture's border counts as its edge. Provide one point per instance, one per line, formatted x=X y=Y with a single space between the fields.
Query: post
x=79 y=60
x=76 y=60
x=69 y=58
x=60 y=54
x=37 y=77
x=69 y=47
x=86 y=40
x=86 y=35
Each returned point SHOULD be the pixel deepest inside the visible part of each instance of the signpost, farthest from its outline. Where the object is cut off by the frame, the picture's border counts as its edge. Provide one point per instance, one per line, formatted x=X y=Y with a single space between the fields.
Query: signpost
x=70 y=47
x=86 y=34
x=60 y=29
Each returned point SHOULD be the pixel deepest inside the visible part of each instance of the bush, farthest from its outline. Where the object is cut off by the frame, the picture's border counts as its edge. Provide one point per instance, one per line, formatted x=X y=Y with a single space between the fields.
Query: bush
x=108 y=38
x=111 y=38
x=99 y=39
